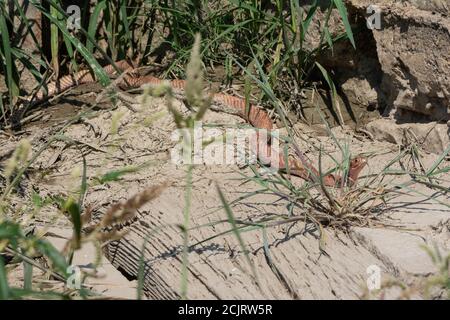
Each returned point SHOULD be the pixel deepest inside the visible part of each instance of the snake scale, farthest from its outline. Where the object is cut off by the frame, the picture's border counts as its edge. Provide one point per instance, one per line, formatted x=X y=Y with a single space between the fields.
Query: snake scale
x=254 y=115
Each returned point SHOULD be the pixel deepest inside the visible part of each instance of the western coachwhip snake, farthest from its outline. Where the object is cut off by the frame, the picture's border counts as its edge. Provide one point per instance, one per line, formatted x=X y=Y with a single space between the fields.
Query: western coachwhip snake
x=253 y=114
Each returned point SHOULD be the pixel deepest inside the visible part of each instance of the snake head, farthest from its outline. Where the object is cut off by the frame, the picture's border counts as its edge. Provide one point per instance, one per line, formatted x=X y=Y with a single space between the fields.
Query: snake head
x=356 y=166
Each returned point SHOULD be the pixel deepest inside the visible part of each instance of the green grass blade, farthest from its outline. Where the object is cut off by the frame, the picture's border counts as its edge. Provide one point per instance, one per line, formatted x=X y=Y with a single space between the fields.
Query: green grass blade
x=236 y=232
x=186 y=215
x=58 y=260
x=309 y=17
x=84 y=185
x=96 y=68
x=74 y=209
x=27 y=275
x=2 y=110
x=54 y=40
x=11 y=72
x=92 y=28
x=344 y=15
x=70 y=52
x=438 y=161
x=26 y=59
x=334 y=99
x=4 y=287
x=274 y=267
x=124 y=20
x=28 y=24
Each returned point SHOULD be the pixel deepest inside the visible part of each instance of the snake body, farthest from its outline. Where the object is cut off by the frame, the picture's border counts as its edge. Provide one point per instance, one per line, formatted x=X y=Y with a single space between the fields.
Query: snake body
x=253 y=114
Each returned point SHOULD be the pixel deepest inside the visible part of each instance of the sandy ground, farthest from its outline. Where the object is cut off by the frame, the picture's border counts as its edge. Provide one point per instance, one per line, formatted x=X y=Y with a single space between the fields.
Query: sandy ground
x=286 y=259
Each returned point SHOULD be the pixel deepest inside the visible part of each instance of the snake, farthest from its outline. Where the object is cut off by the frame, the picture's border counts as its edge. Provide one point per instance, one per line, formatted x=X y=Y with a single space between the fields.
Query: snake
x=255 y=115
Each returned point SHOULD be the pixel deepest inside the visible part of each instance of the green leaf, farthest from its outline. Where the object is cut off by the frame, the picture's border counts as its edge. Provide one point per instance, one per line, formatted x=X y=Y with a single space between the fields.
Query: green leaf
x=344 y=15
x=74 y=210
x=236 y=231
x=93 y=22
x=29 y=25
x=54 y=40
x=306 y=23
x=115 y=175
x=70 y=52
x=11 y=72
x=27 y=275
x=58 y=260
x=26 y=60
x=329 y=39
x=84 y=185
x=2 y=109
x=438 y=161
x=334 y=99
x=10 y=231
x=96 y=68
x=4 y=287
x=37 y=200
x=124 y=20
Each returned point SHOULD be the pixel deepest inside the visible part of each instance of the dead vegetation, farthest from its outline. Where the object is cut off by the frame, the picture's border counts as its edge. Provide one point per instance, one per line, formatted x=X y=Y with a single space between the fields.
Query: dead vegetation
x=103 y=219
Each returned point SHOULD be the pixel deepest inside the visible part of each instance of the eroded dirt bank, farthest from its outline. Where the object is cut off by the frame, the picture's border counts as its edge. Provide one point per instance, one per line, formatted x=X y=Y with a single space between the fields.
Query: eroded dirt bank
x=285 y=257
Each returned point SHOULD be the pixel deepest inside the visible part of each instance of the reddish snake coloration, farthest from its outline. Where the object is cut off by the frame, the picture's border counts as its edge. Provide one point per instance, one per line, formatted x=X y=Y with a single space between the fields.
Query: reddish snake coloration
x=254 y=115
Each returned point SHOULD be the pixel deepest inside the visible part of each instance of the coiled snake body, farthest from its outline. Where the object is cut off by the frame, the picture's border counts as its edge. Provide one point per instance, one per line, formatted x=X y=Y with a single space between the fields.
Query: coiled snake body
x=254 y=115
